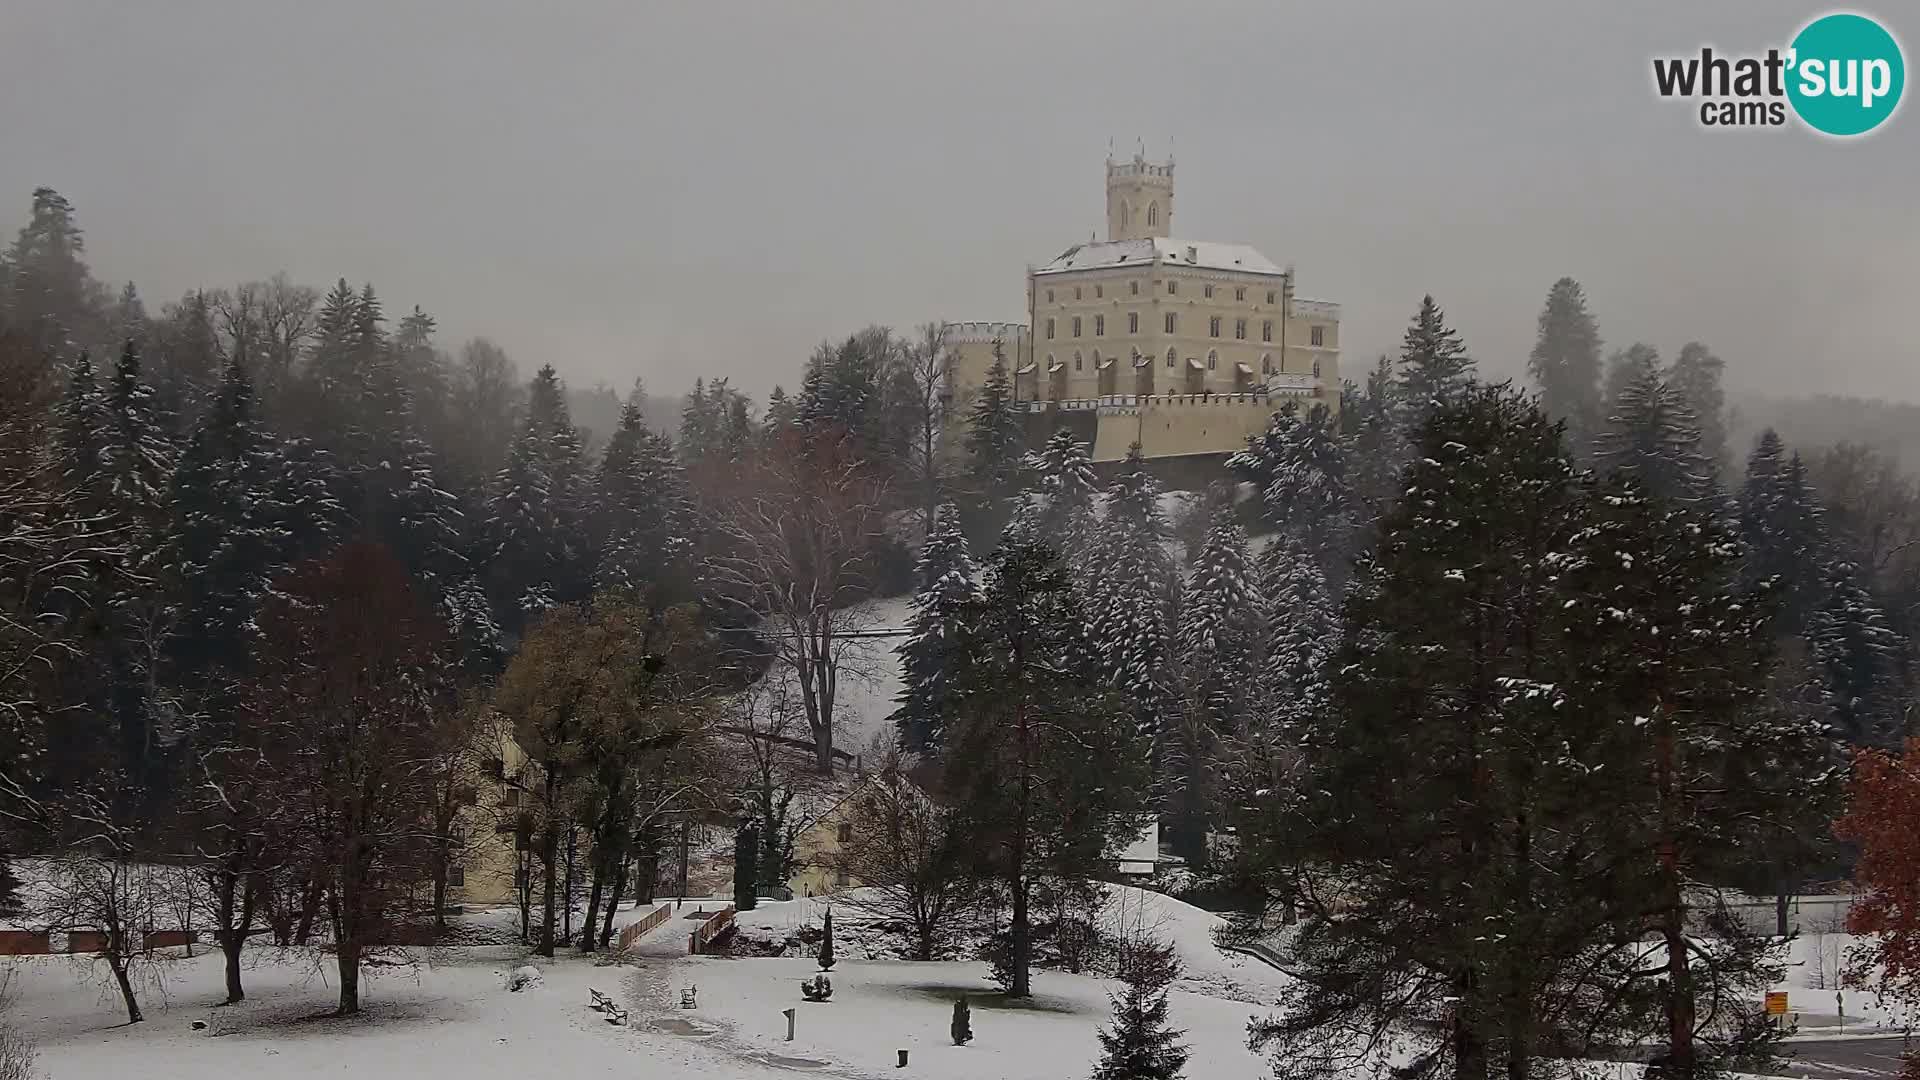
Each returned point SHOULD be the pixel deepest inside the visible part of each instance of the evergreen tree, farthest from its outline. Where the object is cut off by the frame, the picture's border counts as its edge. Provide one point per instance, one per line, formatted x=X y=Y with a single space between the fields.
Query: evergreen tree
x=1061 y=475
x=1695 y=377
x=1219 y=634
x=1434 y=366
x=1137 y=1044
x=1651 y=436
x=1858 y=655
x=1300 y=465
x=1782 y=529
x=782 y=412
x=393 y=469
x=994 y=438
x=1131 y=592
x=645 y=519
x=50 y=295
x=81 y=430
x=947 y=584
x=1037 y=761
x=188 y=365
x=1565 y=362
x=537 y=509
x=137 y=452
x=1302 y=631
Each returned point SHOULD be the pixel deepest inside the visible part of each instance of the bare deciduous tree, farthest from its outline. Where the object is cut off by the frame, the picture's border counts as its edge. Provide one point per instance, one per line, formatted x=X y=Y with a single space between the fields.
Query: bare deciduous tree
x=928 y=367
x=796 y=545
x=903 y=850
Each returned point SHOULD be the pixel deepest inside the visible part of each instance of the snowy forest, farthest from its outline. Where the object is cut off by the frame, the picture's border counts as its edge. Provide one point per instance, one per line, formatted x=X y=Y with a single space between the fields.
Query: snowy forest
x=1480 y=698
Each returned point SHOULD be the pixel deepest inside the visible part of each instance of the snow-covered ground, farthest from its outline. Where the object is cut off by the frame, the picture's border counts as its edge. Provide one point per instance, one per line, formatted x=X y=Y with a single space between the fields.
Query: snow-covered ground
x=869 y=683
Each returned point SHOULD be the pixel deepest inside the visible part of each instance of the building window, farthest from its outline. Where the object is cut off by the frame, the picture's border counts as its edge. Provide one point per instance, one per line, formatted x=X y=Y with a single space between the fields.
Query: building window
x=1171 y=358
x=1266 y=330
x=1213 y=326
x=1133 y=322
x=1170 y=323
x=1316 y=367
x=1266 y=364
x=1173 y=288
x=1099 y=326
x=1076 y=292
x=1239 y=292
x=1049 y=329
x=846 y=832
x=1133 y=287
x=1269 y=296
x=513 y=797
x=1239 y=329
x=1099 y=291
x=1076 y=326
x=1319 y=334
x=1208 y=291
x=1153 y=214
x=1076 y=360
x=1213 y=359
x=1049 y=296
x=840 y=876
x=457 y=876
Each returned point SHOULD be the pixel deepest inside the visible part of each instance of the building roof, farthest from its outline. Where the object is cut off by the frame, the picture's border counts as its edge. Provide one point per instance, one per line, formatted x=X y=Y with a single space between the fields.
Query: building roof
x=1168 y=251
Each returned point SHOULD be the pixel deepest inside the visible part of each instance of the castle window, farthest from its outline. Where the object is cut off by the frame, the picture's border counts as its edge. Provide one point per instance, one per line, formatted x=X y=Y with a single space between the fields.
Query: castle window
x=1099 y=326
x=1266 y=330
x=1240 y=292
x=845 y=832
x=1239 y=329
x=1133 y=322
x=1269 y=296
x=1319 y=336
x=1099 y=291
x=1173 y=288
x=1213 y=359
x=1153 y=214
x=1209 y=292
x=1049 y=329
x=1213 y=326
x=1076 y=360
x=1076 y=326
x=1171 y=358
x=1049 y=296
x=1076 y=292
x=1266 y=364
x=1170 y=323
x=1133 y=287
x=1316 y=367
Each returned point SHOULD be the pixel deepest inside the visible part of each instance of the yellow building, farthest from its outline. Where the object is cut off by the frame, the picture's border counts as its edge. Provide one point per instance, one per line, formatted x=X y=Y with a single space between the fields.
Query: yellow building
x=1185 y=346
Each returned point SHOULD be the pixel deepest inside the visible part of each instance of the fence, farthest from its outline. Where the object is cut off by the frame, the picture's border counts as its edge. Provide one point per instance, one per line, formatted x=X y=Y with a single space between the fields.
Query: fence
x=709 y=930
x=633 y=931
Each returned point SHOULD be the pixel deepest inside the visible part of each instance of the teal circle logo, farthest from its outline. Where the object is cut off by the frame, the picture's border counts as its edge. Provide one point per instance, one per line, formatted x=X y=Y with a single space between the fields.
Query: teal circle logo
x=1846 y=74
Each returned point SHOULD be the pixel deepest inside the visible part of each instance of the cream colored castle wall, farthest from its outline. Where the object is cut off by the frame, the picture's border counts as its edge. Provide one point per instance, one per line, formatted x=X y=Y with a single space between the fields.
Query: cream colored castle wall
x=1179 y=426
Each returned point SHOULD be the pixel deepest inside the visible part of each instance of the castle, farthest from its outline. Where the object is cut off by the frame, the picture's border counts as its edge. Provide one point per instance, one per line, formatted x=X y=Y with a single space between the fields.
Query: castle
x=1186 y=347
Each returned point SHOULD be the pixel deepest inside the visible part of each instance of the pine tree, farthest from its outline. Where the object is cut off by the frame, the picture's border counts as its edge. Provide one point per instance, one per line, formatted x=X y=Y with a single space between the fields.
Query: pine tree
x=1300 y=465
x=1137 y=1043
x=826 y=942
x=1783 y=531
x=993 y=443
x=137 y=452
x=1858 y=655
x=1132 y=588
x=1434 y=366
x=1652 y=436
x=537 y=508
x=1061 y=475
x=1565 y=362
x=947 y=584
x=1695 y=377
x=645 y=519
x=1302 y=632
x=1219 y=648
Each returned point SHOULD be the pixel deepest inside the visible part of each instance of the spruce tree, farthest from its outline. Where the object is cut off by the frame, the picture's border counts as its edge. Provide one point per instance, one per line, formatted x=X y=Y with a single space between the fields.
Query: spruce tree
x=1783 y=531
x=1858 y=656
x=537 y=509
x=1435 y=369
x=1651 y=436
x=1695 y=377
x=1060 y=474
x=1131 y=591
x=994 y=437
x=947 y=584
x=81 y=430
x=1302 y=632
x=1565 y=362
x=1300 y=465
x=643 y=518
x=137 y=454
x=1137 y=1043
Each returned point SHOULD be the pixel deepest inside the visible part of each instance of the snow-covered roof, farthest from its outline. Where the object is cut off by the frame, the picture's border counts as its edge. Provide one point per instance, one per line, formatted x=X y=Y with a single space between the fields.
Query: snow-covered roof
x=1243 y=367
x=1203 y=254
x=1107 y=363
x=1194 y=363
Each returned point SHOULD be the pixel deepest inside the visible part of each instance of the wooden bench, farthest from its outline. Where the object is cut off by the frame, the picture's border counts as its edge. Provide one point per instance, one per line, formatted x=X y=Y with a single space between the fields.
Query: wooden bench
x=606 y=1006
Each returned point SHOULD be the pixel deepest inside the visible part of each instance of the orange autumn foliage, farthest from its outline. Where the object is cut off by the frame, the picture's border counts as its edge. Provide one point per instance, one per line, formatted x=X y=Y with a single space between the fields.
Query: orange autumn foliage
x=1883 y=818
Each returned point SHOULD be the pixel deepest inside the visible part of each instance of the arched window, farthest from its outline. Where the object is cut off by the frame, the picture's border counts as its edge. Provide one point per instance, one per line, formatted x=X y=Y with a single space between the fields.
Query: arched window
x=1076 y=360
x=1266 y=364
x=1213 y=359
x=1126 y=212
x=1172 y=357
x=1099 y=326
x=1316 y=367
x=1076 y=326
x=1049 y=328
x=1153 y=214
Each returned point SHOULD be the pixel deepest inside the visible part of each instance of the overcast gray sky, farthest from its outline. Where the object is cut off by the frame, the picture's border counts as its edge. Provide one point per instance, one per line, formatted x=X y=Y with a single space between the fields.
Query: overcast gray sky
x=670 y=189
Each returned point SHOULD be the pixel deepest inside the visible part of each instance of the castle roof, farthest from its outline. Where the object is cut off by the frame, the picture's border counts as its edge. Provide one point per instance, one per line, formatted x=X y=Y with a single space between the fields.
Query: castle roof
x=1201 y=254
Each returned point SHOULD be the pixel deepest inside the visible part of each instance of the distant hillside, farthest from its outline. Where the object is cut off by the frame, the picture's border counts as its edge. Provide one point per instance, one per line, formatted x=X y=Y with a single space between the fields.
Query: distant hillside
x=1812 y=423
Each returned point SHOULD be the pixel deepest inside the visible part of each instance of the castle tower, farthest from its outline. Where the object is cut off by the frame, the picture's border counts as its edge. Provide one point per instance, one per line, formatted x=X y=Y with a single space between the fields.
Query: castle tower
x=1139 y=198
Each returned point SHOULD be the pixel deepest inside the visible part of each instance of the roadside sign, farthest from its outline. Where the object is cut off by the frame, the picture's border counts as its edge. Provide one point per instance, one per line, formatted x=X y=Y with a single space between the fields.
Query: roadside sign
x=1776 y=1003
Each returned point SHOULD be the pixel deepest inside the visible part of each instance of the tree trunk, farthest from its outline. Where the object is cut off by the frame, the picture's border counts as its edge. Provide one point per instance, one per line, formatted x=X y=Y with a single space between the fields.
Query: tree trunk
x=550 y=851
x=1673 y=916
x=119 y=965
x=1780 y=919
x=442 y=856
x=349 y=953
x=592 y=921
x=1020 y=943
x=1469 y=1051
x=309 y=907
x=613 y=903
x=566 y=890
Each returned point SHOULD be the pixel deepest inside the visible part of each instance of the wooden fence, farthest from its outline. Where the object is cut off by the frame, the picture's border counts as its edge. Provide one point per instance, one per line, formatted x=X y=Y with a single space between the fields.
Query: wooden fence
x=709 y=930
x=633 y=931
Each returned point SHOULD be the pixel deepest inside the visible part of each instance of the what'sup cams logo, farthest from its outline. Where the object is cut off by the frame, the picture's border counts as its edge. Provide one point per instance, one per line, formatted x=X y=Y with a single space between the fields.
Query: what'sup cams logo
x=1842 y=75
